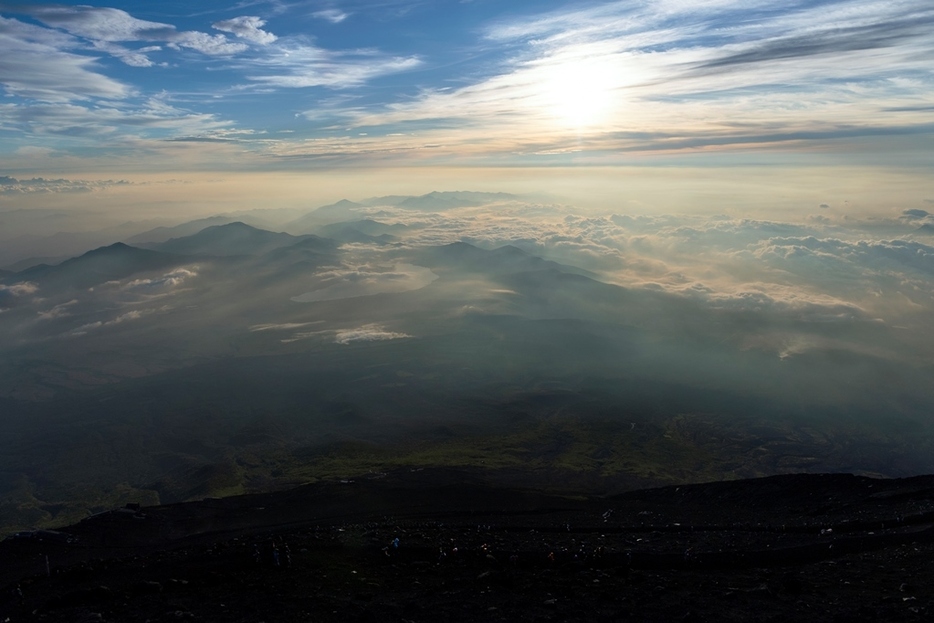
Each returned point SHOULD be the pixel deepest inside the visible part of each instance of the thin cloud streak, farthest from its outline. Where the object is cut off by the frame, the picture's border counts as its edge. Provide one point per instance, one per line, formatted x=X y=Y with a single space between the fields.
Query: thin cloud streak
x=38 y=66
x=60 y=88
x=99 y=24
x=675 y=76
x=583 y=85
x=304 y=66
x=335 y=16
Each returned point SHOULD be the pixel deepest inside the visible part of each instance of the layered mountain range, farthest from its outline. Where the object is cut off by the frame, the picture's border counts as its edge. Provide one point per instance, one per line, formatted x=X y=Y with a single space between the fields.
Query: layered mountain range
x=227 y=359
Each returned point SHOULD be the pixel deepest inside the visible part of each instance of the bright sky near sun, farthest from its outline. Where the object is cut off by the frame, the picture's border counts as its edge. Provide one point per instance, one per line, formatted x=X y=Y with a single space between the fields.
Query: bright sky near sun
x=326 y=87
x=274 y=84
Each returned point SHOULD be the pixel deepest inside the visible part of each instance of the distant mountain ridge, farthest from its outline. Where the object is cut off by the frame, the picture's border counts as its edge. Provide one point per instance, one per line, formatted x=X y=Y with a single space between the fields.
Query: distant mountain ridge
x=386 y=200
x=366 y=226
x=343 y=210
x=462 y=256
x=227 y=240
x=305 y=255
x=435 y=201
x=162 y=234
x=22 y=265
x=449 y=200
x=120 y=260
x=366 y=230
x=113 y=262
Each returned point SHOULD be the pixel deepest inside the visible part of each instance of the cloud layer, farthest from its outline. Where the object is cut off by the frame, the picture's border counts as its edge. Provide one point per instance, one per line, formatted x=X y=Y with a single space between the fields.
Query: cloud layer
x=586 y=84
x=833 y=309
x=66 y=95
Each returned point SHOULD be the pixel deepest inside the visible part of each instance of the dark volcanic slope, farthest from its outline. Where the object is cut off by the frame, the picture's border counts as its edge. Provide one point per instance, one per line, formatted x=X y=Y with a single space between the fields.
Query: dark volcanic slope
x=443 y=545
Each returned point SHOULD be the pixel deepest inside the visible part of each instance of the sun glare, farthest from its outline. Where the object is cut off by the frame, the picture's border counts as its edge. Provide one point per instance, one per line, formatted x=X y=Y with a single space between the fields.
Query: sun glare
x=580 y=94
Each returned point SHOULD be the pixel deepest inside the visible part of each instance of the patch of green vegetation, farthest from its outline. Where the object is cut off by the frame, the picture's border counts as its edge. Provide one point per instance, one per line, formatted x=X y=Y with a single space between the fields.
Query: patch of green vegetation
x=22 y=507
x=650 y=452
x=562 y=452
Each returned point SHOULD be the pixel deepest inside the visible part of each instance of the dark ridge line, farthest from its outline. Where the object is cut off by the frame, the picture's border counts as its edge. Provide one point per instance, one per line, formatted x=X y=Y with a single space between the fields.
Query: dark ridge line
x=689 y=560
x=843 y=527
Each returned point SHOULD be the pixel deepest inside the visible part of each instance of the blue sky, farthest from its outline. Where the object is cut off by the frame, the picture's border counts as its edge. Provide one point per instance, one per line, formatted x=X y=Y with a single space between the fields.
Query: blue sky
x=276 y=84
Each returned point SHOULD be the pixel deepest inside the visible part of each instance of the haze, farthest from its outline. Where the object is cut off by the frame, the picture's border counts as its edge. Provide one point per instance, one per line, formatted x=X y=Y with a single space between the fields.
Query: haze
x=589 y=245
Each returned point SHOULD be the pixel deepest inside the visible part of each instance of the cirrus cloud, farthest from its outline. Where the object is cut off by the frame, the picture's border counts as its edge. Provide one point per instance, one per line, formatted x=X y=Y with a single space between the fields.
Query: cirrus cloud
x=108 y=25
x=335 y=16
x=368 y=333
x=37 y=64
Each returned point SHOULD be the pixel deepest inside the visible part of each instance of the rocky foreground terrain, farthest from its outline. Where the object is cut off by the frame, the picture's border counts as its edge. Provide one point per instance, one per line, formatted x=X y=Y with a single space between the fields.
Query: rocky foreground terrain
x=445 y=545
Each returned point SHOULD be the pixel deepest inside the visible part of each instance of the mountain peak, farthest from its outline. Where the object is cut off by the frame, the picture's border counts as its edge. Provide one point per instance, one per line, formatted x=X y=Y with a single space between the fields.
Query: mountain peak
x=233 y=226
x=117 y=249
x=115 y=261
x=229 y=239
x=117 y=246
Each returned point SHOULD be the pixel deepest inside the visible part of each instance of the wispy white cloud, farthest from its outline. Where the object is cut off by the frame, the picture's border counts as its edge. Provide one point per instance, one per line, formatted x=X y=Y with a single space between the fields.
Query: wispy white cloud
x=169 y=280
x=282 y=326
x=101 y=23
x=335 y=16
x=295 y=64
x=155 y=116
x=36 y=64
x=129 y=316
x=366 y=281
x=212 y=45
x=40 y=185
x=23 y=288
x=779 y=287
x=626 y=76
x=832 y=269
x=59 y=311
x=108 y=25
x=133 y=58
x=62 y=93
x=247 y=27
x=589 y=83
x=368 y=333
x=304 y=65
x=11 y=295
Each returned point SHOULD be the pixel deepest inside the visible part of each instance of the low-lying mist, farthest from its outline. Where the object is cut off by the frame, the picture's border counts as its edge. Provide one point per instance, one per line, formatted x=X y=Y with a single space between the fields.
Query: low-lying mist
x=473 y=329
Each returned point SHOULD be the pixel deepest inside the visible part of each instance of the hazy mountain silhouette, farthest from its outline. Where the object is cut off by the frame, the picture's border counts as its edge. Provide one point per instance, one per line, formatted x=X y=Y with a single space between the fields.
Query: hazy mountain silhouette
x=110 y=263
x=439 y=201
x=343 y=210
x=308 y=253
x=246 y=360
x=227 y=240
x=366 y=230
x=30 y=250
x=29 y=262
x=386 y=200
x=161 y=234
x=460 y=257
x=367 y=226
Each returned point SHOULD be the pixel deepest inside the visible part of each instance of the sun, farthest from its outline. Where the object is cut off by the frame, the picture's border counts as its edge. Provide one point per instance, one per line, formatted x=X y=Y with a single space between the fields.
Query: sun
x=580 y=94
